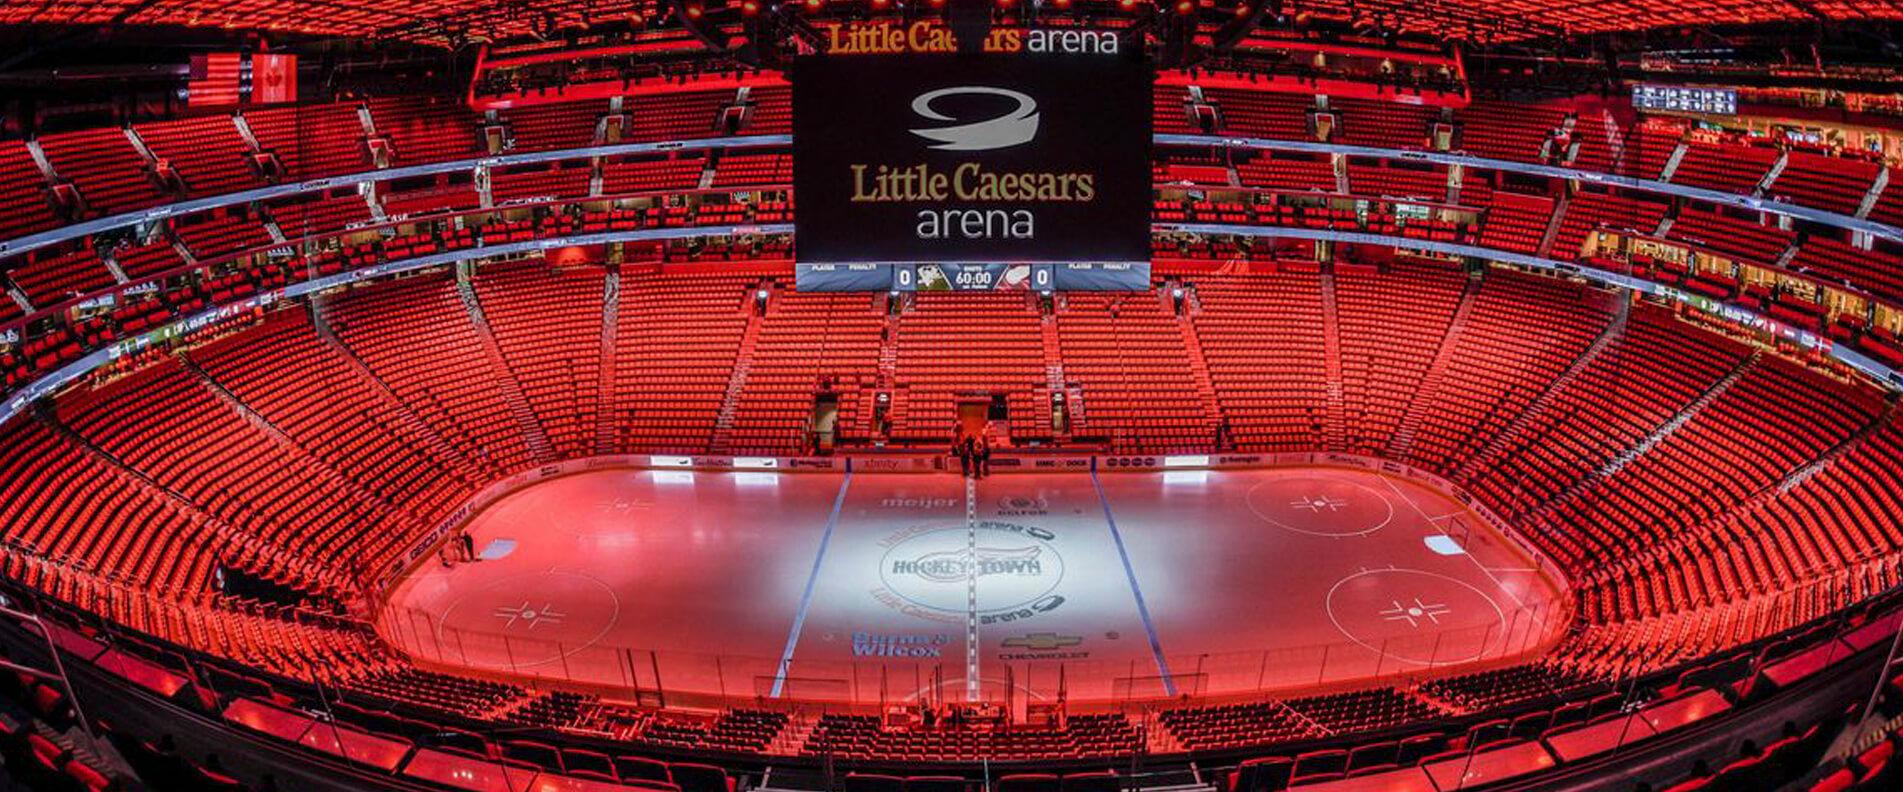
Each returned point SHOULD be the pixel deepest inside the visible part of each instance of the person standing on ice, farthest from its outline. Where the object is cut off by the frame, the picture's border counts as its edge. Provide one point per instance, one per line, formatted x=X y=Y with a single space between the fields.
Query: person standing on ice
x=961 y=448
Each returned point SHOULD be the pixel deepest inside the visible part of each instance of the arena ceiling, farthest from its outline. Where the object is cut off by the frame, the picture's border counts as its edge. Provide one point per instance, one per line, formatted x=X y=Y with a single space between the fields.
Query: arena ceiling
x=449 y=22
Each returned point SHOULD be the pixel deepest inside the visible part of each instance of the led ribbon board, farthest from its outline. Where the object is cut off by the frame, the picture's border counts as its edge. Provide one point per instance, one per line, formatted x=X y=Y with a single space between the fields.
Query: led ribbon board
x=1007 y=170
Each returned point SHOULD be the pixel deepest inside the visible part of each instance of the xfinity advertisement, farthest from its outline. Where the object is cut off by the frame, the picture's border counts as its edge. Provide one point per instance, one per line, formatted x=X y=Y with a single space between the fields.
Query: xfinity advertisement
x=996 y=169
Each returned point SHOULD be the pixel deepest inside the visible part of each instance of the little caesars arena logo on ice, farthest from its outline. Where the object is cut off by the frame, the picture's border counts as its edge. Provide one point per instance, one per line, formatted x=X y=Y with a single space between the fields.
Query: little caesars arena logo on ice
x=928 y=571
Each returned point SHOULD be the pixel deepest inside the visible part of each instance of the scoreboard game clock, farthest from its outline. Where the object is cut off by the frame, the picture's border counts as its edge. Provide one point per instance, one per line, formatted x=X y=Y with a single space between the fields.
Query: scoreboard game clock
x=1685 y=99
x=934 y=171
x=952 y=276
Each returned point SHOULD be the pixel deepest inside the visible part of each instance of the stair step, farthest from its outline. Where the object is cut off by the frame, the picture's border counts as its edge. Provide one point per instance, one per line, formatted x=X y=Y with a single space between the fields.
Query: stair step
x=736 y=383
x=605 y=423
x=506 y=383
x=440 y=447
x=1336 y=423
x=1658 y=435
x=1054 y=378
x=1551 y=235
x=1423 y=396
x=1506 y=437
x=249 y=546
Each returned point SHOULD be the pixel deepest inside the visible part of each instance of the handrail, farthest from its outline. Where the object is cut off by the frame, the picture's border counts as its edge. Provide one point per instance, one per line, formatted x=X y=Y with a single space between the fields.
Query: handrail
x=1755 y=204
x=213 y=260
x=30 y=242
x=51 y=383
x=19 y=245
x=64 y=375
x=1805 y=338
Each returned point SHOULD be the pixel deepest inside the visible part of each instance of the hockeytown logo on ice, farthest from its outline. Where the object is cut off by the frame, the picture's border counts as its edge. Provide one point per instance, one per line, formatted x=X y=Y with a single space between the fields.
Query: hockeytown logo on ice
x=948 y=566
x=927 y=571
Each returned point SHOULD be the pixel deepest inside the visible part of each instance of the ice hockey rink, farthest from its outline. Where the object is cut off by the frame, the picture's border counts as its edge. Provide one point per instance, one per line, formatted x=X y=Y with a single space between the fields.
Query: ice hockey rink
x=1089 y=587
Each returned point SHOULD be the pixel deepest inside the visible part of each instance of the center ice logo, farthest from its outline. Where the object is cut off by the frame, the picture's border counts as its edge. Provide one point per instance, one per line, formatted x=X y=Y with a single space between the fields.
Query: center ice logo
x=952 y=566
x=929 y=571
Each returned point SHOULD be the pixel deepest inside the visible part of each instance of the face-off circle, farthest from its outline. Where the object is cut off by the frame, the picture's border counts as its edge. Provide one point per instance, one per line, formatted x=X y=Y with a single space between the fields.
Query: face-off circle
x=1418 y=617
x=1321 y=506
x=888 y=576
x=529 y=620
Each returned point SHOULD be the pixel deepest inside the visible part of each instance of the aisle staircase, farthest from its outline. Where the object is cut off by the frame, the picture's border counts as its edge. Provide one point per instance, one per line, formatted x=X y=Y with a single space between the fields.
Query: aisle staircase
x=19 y=298
x=506 y=383
x=791 y=739
x=1199 y=366
x=736 y=382
x=888 y=373
x=1683 y=417
x=238 y=545
x=111 y=261
x=1336 y=423
x=85 y=749
x=1874 y=194
x=605 y=426
x=1424 y=396
x=1829 y=457
x=1672 y=162
x=1770 y=177
x=368 y=504
x=1053 y=370
x=1615 y=140
x=1509 y=436
x=1551 y=235
x=1618 y=462
x=1157 y=738
x=1705 y=532
x=1665 y=223
x=441 y=448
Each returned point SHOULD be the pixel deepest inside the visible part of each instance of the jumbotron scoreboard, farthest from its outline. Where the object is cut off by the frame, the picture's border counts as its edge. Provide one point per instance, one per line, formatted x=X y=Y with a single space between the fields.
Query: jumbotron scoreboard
x=1025 y=166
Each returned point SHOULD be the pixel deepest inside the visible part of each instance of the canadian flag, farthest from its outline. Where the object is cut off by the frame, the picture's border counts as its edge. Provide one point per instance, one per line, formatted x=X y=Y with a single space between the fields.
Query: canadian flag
x=273 y=78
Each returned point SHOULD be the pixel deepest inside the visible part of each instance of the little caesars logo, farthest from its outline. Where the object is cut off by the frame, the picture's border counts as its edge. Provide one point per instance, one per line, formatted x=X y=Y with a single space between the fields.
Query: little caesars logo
x=1013 y=128
x=933 y=37
x=926 y=570
x=986 y=118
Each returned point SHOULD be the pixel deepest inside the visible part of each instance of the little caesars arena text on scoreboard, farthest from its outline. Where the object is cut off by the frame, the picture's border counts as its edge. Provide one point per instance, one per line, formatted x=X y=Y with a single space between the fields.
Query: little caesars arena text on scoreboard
x=1024 y=167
